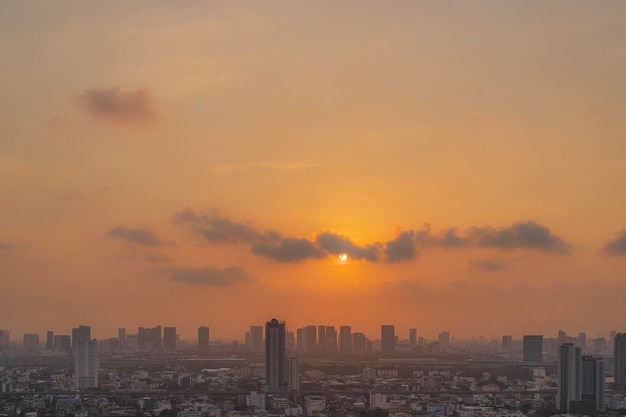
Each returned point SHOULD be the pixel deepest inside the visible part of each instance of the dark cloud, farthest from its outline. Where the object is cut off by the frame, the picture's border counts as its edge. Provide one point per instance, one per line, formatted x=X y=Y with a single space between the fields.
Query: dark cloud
x=617 y=246
x=114 y=105
x=527 y=235
x=137 y=236
x=288 y=250
x=488 y=265
x=6 y=246
x=336 y=244
x=402 y=248
x=211 y=276
x=157 y=258
x=221 y=230
x=450 y=238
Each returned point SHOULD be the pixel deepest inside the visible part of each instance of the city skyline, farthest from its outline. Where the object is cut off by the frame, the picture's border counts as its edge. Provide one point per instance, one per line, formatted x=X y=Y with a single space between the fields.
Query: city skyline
x=430 y=165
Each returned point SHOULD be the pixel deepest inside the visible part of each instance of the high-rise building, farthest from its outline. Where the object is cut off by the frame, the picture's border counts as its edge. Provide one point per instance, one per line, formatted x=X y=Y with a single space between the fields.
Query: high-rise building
x=345 y=339
x=49 y=340
x=86 y=364
x=309 y=338
x=533 y=348
x=359 y=342
x=444 y=340
x=256 y=338
x=321 y=338
x=290 y=341
x=412 y=337
x=581 y=341
x=507 y=344
x=300 y=340
x=31 y=342
x=387 y=338
x=150 y=338
x=80 y=334
x=4 y=341
x=593 y=385
x=619 y=349
x=569 y=369
x=275 y=356
x=293 y=373
x=62 y=343
x=169 y=338
x=331 y=339
x=203 y=338
x=121 y=336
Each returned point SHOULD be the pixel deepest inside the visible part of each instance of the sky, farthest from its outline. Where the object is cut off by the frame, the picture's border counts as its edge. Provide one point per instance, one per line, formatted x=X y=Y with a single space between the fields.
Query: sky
x=208 y=163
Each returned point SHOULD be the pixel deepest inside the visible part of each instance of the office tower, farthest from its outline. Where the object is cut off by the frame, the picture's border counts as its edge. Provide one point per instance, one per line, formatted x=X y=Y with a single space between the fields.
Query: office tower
x=256 y=338
x=121 y=336
x=412 y=337
x=569 y=369
x=507 y=344
x=80 y=334
x=345 y=339
x=619 y=348
x=387 y=338
x=593 y=386
x=300 y=340
x=86 y=364
x=581 y=341
x=62 y=343
x=4 y=341
x=290 y=341
x=331 y=339
x=359 y=342
x=150 y=338
x=533 y=348
x=49 y=340
x=292 y=373
x=444 y=340
x=321 y=338
x=203 y=338
x=309 y=338
x=169 y=338
x=275 y=355
x=31 y=342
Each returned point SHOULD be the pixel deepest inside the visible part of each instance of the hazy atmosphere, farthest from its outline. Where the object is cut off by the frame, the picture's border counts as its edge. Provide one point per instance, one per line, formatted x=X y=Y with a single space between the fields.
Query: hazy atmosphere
x=453 y=166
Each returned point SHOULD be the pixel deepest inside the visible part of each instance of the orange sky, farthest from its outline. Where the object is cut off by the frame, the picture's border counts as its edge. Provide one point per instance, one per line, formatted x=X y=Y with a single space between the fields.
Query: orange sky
x=205 y=164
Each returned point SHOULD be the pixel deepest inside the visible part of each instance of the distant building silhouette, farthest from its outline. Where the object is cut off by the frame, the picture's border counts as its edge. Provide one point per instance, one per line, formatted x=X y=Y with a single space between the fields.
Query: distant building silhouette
x=121 y=336
x=533 y=348
x=256 y=338
x=412 y=337
x=507 y=344
x=80 y=334
x=619 y=348
x=345 y=339
x=4 y=341
x=62 y=343
x=444 y=340
x=275 y=356
x=49 y=340
x=309 y=338
x=387 y=338
x=169 y=338
x=569 y=369
x=31 y=342
x=86 y=364
x=331 y=339
x=203 y=338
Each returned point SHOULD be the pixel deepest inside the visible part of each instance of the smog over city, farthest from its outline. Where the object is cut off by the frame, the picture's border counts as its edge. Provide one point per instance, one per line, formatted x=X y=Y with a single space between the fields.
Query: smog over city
x=324 y=208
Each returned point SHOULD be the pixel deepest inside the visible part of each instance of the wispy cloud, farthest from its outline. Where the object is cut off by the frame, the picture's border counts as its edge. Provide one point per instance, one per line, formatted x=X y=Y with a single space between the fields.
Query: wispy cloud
x=617 y=245
x=113 y=105
x=492 y=264
x=211 y=276
x=141 y=237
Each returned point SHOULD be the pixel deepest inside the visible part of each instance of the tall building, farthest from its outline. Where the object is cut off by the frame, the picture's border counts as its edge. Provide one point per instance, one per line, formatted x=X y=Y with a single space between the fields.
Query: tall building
x=203 y=338
x=31 y=342
x=593 y=385
x=533 y=348
x=345 y=339
x=49 y=340
x=444 y=340
x=293 y=375
x=619 y=349
x=256 y=338
x=412 y=337
x=169 y=338
x=80 y=334
x=309 y=338
x=569 y=369
x=4 y=341
x=359 y=342
x=300 y=340
x=63 y=343
x=321 y=338
x=387 y=338
x=331 y=339
x=150 y=338
x=275 y=356
x=507 y=344
x=290 y=341
x=86 y=364
x=121 y=336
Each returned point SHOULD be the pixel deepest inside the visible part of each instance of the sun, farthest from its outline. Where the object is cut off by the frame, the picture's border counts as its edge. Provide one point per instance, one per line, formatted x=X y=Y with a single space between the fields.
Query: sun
x=343 y=257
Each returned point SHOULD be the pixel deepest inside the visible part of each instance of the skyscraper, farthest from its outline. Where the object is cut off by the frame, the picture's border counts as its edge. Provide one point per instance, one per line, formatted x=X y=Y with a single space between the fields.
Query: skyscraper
x=203 y=338
x=169 y=338
x=293 y=373
x=619 y=349
x=412 y=337
x=256 y=338
x=593 y=386
x=80 y=334
x=49 y=340
x=309 y=338
x=533 y=348
x=121 y=335
x=31 y=342
x=86 y=364
x=4 y=341
x=444 y=340
x=359 y=342
x=331 y=339
x=387 y=338
x=345 y=339
x=321 y=338
x=569 y=369
x=62 y=343
x=507 y=343
x=275 y=356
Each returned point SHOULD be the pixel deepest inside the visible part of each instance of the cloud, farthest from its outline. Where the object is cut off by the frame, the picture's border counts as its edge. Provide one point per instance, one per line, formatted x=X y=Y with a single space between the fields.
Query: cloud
x=336 y=244
x=402 y=248
x=493 y=264
x=450 y=238
x=459 y=285
x=6 y=246
x=116 y=106
x=137 y=236
x=211 y=276
x=157 y=258
x=617 y=246
x=289 y=250
x=278 y=166
x=221 y=230
x=527 y=235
